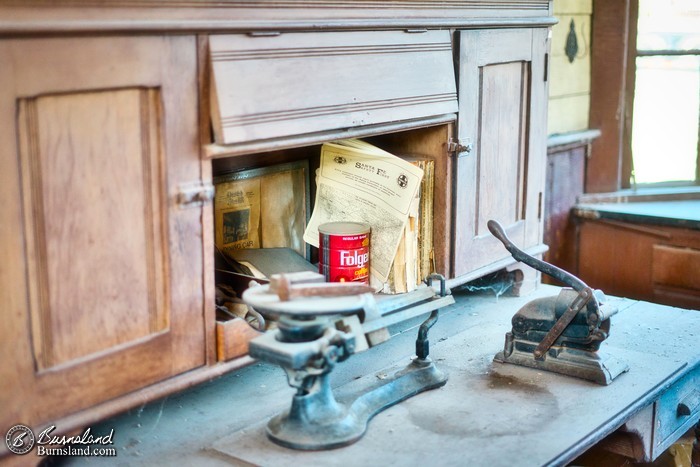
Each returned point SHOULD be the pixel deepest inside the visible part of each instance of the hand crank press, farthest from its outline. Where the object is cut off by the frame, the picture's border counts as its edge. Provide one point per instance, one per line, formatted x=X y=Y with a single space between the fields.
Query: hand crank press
x=562 y=333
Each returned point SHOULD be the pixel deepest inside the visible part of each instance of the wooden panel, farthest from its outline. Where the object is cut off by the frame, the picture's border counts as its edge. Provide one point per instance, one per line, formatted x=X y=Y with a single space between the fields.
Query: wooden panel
x=564 y=184
x=291 y=84
x=502 y=112
x=676 y=267
x=601 y=245
x=673 y=281
x=501 y=152
x=232 y=338
x=92 y=166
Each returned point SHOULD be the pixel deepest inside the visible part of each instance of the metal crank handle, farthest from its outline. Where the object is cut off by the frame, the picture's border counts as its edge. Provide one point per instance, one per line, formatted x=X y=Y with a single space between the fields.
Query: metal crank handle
x=549 y=269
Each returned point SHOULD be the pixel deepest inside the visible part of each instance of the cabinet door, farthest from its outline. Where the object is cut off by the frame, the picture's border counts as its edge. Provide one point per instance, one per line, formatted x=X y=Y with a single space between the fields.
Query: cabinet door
x=100 y=269
x=502 y=114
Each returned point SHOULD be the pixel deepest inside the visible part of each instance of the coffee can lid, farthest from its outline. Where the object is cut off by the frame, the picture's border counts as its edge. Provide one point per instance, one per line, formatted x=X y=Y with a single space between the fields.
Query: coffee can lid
x=343 y=228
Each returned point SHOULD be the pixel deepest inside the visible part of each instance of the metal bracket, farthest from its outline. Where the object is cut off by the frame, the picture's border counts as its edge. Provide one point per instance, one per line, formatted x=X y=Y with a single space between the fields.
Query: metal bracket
x=195 y=194
x=459 y=148
x=264 y=33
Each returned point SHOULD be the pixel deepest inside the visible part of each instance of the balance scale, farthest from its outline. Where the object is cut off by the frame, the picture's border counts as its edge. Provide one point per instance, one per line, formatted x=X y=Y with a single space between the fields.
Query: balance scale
x=308 y=346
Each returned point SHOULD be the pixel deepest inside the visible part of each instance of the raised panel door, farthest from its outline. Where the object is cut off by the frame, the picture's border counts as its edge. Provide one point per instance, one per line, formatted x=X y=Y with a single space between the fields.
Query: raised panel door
x=502 y=100
x=101 y=279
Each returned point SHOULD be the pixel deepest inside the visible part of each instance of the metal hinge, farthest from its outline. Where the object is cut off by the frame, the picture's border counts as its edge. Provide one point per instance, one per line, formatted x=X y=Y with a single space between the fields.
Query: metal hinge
x=195 y=194
x=459 y=148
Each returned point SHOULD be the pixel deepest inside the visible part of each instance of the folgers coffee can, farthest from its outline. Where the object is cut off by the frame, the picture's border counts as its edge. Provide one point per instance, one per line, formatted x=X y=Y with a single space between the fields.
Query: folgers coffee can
x=344 y=251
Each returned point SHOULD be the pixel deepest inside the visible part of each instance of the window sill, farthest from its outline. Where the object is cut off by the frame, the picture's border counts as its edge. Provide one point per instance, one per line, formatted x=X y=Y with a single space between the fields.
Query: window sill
x=683 y=213
x=647 y=194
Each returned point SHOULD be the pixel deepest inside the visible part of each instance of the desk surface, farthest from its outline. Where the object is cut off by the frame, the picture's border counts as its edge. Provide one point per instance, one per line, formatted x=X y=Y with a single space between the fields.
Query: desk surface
x=487 y=414
x=499 y=414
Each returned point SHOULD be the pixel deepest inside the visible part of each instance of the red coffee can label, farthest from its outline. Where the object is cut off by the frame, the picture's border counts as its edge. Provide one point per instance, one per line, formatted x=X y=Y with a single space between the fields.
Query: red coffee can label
x=357 y=257
x=344 y=251
x=338 y=274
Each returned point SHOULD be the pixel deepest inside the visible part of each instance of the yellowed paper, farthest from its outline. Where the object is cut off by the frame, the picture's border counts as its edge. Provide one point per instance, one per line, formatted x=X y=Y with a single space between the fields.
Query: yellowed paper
x=283 y=210
x=237 y=214
x=361 y=183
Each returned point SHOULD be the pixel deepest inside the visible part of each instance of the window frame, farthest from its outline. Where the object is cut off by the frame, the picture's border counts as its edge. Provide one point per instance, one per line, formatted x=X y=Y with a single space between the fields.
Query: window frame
x=613 y=68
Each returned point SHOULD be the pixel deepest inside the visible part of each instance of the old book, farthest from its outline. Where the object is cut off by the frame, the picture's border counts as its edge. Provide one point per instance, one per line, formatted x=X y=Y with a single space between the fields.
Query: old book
x=425 y=220
x=420 y=235
x=413 y=261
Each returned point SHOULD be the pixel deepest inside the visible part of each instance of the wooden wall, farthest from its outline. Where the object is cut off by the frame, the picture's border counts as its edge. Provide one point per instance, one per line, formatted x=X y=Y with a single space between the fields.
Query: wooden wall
x=570 y=82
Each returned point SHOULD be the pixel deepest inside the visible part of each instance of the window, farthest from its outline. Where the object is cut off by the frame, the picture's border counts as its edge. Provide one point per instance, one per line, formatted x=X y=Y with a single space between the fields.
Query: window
x=665 y=120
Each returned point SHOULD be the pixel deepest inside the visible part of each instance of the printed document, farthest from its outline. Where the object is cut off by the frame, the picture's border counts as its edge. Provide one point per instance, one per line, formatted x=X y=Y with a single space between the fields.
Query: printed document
x=358 y=182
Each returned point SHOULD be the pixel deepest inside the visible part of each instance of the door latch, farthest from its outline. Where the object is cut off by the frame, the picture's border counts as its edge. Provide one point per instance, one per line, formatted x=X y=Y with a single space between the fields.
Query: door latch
x=195 y=194
x=459 y=148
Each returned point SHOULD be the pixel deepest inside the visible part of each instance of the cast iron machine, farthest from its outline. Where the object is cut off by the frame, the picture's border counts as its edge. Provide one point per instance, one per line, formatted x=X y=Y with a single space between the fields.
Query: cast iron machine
x=563 y=333
x=308 y=346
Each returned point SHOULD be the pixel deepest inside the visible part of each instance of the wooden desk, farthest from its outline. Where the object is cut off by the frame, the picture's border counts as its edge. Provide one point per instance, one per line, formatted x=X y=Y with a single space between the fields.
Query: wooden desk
x=499 y=414
x=660 y=244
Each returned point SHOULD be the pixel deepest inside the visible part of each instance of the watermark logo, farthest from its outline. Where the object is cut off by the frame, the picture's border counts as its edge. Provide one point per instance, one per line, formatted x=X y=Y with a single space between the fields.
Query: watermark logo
x=20 y=439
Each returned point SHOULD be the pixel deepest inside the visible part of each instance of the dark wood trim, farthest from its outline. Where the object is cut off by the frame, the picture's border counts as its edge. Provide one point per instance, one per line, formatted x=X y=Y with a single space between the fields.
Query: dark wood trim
x=627 y=166
x=32 y=27
x=217 y=151
x=610 y=42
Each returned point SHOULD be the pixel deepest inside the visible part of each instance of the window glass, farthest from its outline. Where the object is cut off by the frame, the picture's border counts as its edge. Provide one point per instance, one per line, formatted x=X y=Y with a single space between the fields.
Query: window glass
x=668 y=25
x=665 y=123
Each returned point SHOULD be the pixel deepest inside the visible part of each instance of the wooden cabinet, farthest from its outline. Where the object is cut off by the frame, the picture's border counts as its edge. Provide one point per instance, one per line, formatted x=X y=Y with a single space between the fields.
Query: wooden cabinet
x=115 y=118
x=638 y=258
x=502 y=124
x=101 y=278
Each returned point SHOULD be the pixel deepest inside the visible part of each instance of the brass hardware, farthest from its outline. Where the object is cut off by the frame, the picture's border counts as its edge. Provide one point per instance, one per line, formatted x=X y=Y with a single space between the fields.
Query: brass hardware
x=459 y=148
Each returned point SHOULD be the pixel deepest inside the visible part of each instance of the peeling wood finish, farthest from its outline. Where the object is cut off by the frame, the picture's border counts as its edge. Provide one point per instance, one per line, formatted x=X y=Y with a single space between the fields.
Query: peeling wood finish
x=412 y=77
x=348 y=4
x=43 y=16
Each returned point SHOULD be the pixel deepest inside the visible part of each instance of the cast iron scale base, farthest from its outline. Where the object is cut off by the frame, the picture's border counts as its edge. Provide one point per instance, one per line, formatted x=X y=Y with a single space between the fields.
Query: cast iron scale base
x=307 y=346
